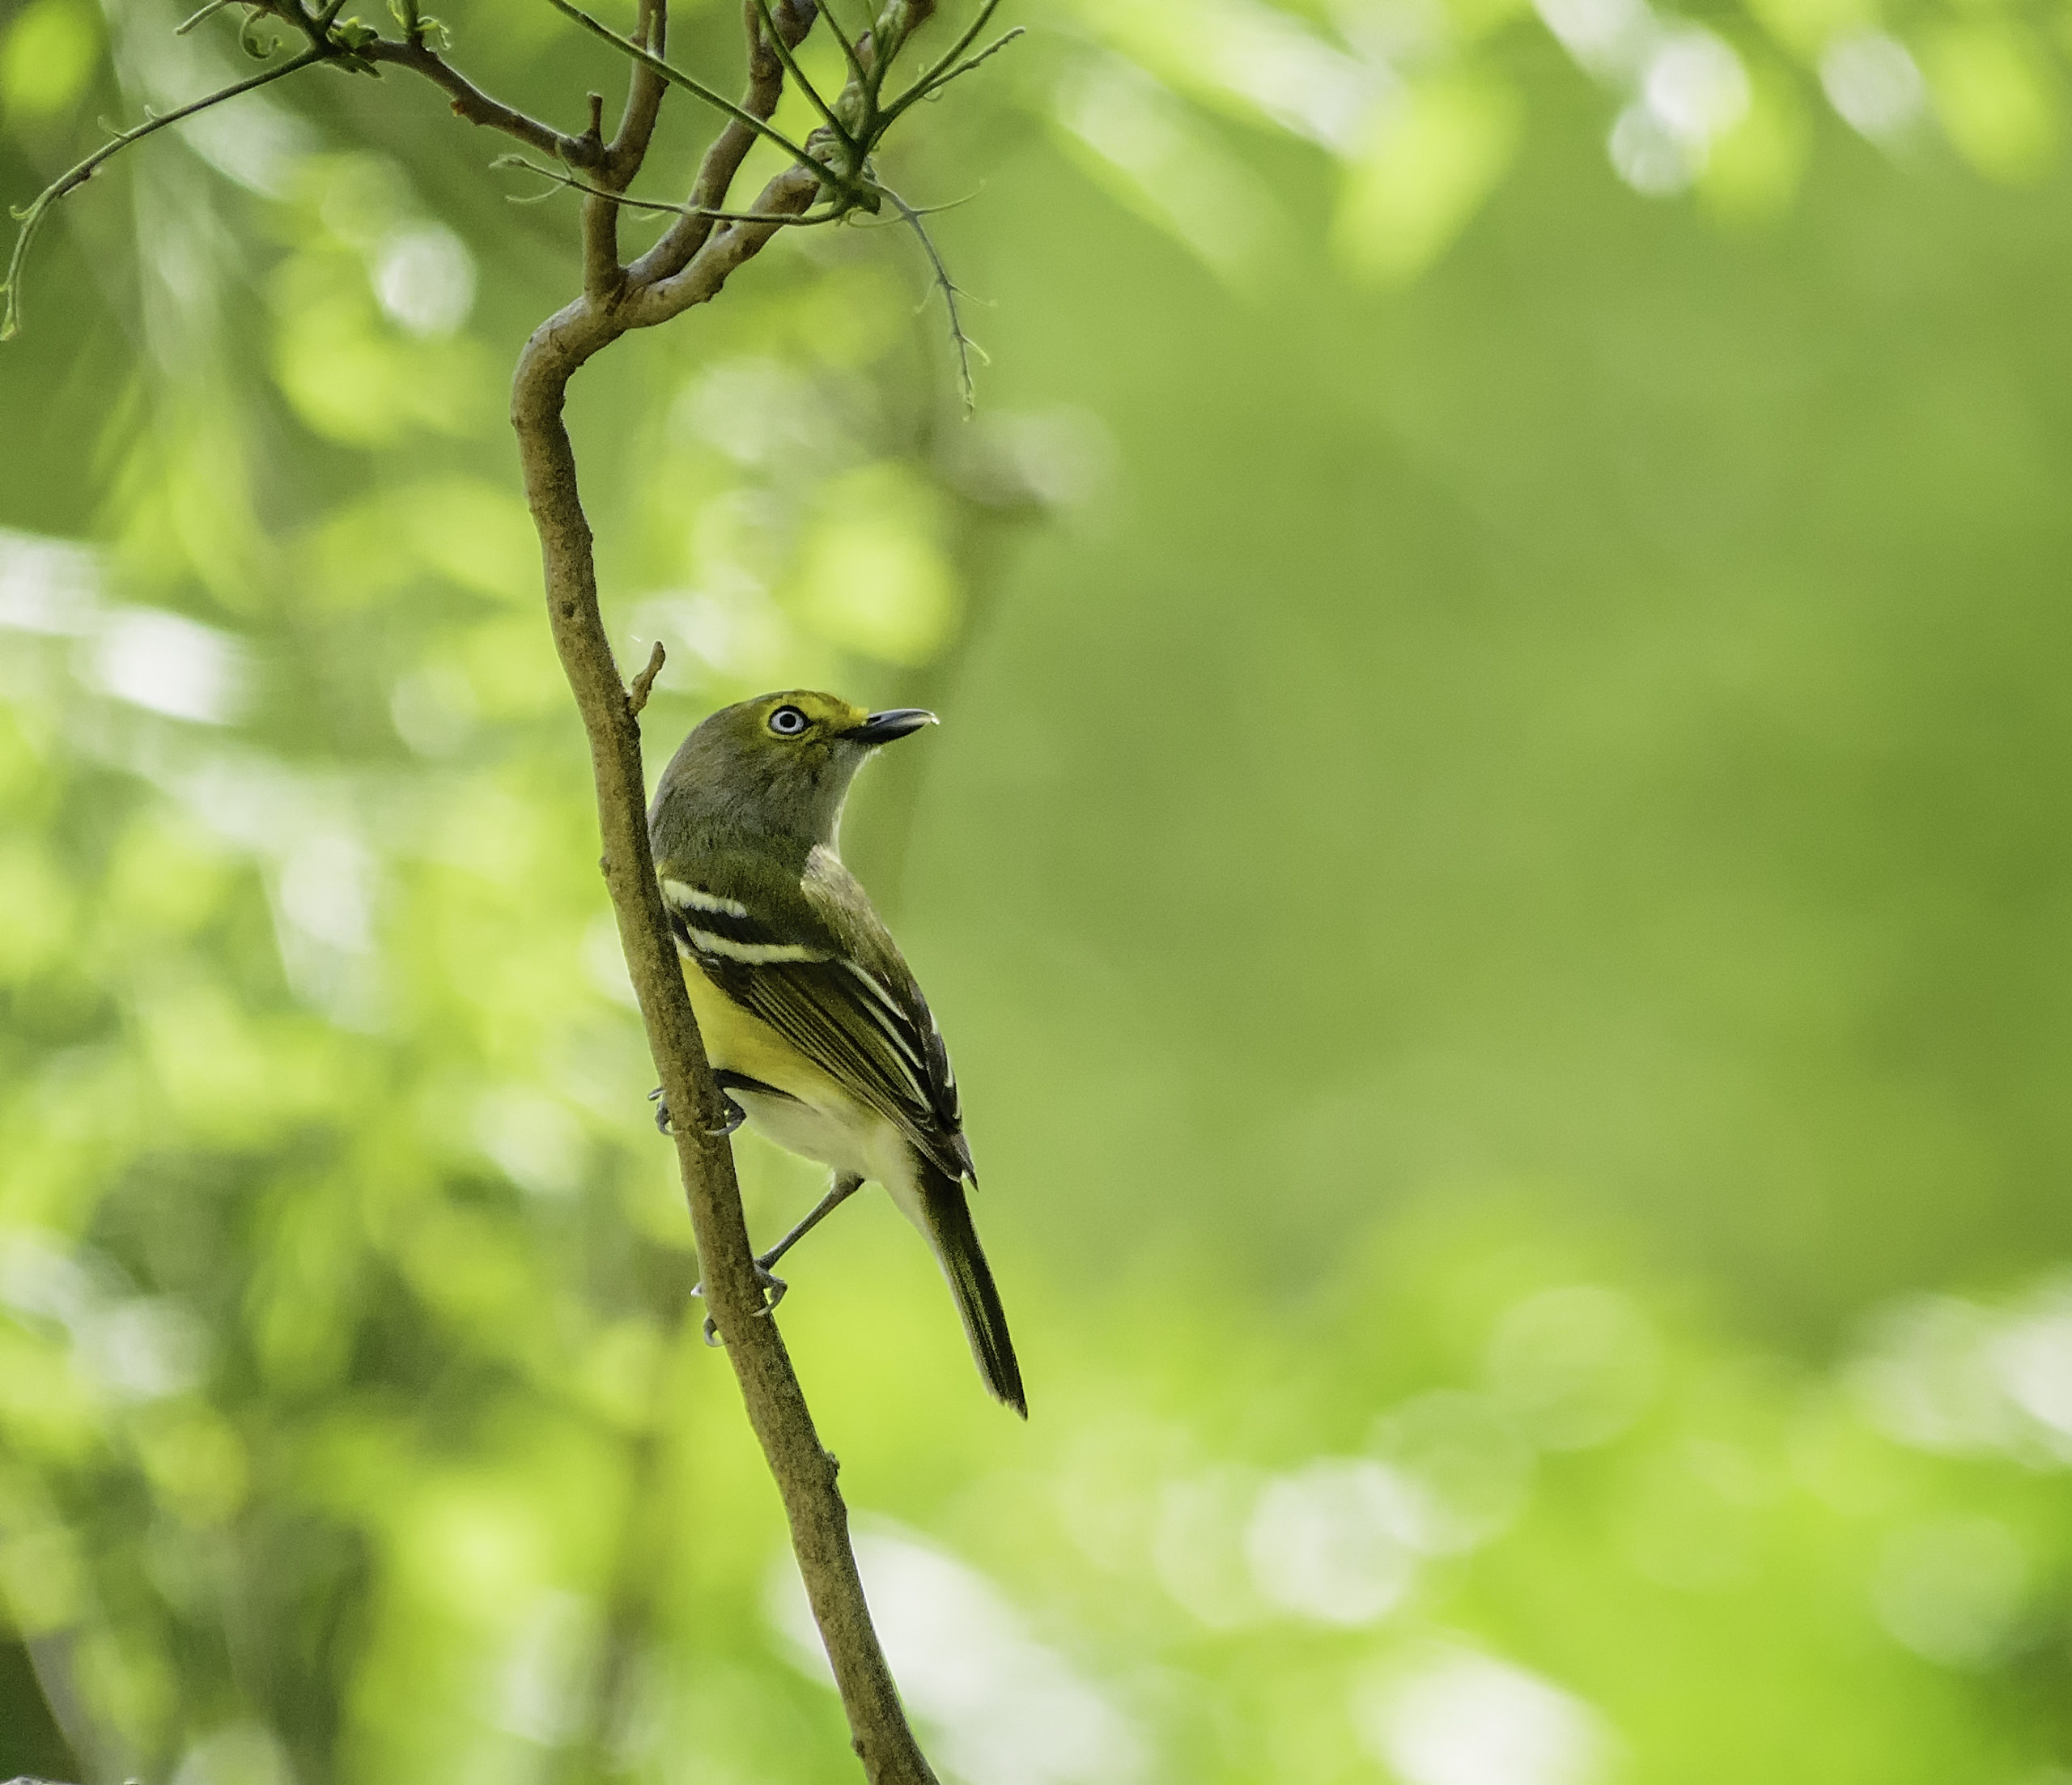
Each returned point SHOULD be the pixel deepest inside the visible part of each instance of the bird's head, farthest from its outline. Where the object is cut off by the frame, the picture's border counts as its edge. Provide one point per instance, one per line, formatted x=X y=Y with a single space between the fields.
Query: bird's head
x=778 y=766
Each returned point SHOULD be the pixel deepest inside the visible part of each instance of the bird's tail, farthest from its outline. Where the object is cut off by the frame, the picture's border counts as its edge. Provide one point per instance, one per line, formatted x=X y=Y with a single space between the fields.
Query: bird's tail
x=955 y=1241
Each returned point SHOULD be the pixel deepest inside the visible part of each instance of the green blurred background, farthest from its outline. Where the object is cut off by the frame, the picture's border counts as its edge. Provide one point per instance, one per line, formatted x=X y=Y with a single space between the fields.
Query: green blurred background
x=1495 y=867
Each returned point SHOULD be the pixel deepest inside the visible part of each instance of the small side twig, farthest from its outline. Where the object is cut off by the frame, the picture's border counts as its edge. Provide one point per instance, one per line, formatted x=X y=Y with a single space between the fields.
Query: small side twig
x=929 y=89
x=194 y=18
x=857 y=72
x=636 y=696
x=948 y=66
x=964 y=346
x=833 y=214
x=799 y=78
x=476 y=107
x=675 y=77
x=686 y=238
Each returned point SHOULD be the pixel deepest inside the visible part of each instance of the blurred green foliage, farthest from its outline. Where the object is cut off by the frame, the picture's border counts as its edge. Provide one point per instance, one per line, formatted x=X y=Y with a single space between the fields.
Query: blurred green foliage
x=1492 y=873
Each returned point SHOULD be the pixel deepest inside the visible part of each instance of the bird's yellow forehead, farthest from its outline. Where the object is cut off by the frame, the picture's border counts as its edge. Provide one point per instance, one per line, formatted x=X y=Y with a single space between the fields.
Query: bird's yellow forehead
x=821 y=709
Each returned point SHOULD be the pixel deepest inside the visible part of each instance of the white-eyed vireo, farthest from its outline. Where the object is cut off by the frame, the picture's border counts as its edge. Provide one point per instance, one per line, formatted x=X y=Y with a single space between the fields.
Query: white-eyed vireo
x=816 y=1029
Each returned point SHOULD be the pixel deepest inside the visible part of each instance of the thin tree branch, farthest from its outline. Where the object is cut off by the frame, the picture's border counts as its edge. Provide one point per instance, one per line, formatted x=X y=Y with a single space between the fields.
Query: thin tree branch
x=602 y=274
x=841 y=35
x=643 y=98
x=723 y=159
x=967 y=37
x=411 y=51
x=675 y=77
x=930 y=85
x=831 y=215
x=367 y=51
x=962 y=341
x=194 y=18
x=789 y=194
x=798 y=76
x=666 y=289
x=471 y=102
x=32 y=216
x=897 y=22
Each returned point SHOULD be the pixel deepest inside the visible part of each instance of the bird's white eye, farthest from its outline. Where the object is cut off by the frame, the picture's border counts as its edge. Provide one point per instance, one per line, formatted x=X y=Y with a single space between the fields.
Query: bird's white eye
x=788 y=721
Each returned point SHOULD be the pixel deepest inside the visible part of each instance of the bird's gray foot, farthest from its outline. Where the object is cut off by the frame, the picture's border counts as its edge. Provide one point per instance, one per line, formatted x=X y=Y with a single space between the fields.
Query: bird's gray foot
x=773 y=1288
x=661 y=1108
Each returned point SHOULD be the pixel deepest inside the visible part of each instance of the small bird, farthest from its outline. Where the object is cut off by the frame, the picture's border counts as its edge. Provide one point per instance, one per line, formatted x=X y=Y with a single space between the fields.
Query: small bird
x=817 y=1031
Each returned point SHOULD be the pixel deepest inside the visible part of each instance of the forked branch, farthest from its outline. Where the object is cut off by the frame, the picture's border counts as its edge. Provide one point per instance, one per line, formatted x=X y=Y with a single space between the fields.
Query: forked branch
x=349 y=45
x=962 y=344
x=954 y=62
x=660 y=66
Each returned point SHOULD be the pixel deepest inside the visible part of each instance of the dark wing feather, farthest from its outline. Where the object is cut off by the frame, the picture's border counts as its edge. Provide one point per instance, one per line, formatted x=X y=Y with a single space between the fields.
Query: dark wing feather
x=814 y=961
x=956 y=1242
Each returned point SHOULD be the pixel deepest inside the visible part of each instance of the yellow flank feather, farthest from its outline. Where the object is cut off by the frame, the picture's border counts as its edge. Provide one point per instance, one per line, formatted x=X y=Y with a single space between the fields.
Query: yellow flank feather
x=736 y=1040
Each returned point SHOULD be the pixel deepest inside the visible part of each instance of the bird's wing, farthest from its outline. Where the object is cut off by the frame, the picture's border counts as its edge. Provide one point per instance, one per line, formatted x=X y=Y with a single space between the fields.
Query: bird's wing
x=813 y=960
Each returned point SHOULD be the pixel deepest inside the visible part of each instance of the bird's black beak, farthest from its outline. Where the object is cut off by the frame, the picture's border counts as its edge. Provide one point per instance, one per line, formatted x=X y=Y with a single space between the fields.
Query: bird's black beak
x=881 y=728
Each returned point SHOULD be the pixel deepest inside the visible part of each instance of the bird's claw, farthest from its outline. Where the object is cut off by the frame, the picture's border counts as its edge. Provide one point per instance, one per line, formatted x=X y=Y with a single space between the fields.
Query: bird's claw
x=773 y=1287
x=731 y=1118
